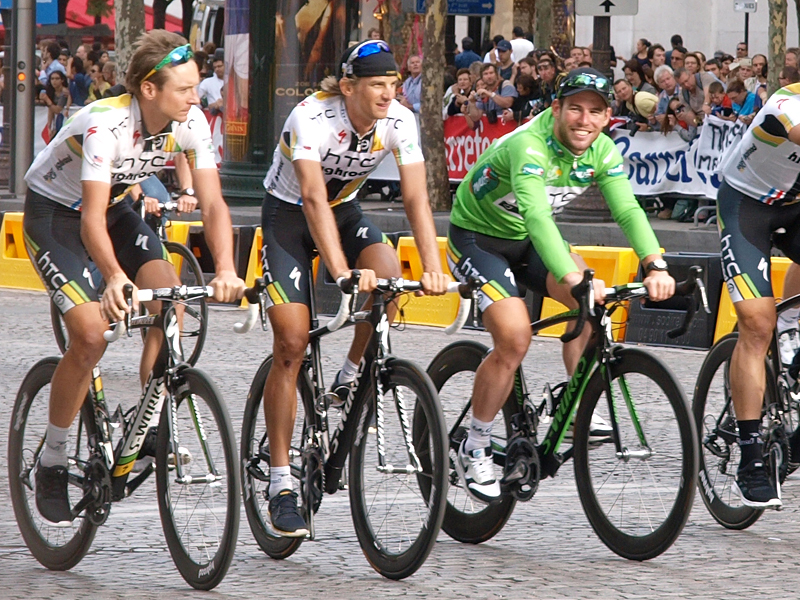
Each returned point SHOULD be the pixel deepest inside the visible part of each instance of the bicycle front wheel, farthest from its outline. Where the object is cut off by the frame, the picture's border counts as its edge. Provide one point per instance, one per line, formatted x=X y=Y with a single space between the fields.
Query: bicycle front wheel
x=398 y=471
x=195 y=316
x=638 y=494
x=719 y=438
x=453 y=375
x=197 y=480
x=57 y=548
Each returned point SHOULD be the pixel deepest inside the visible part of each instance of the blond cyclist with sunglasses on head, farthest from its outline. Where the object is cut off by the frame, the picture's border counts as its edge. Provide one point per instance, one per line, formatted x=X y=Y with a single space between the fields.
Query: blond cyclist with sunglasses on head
x=74 y=210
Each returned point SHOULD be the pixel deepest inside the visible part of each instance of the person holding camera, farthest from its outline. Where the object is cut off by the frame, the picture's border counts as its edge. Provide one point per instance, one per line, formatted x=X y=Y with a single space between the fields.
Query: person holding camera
x=491 y=100
x=638 y=107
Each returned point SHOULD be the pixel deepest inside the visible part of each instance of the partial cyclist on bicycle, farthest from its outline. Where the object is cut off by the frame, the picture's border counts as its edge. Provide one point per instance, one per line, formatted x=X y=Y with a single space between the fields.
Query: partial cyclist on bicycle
x=74 y=215
x=758 y=209
x=329 y=145
x=502 y=232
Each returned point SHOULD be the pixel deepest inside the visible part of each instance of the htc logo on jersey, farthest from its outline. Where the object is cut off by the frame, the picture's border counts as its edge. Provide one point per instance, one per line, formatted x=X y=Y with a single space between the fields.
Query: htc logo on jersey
x=347 y=160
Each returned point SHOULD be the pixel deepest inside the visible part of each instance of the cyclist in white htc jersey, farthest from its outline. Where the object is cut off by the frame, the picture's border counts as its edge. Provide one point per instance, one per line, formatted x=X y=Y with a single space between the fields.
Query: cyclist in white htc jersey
x=329 y=145
x=758 y=207
x=73 y=211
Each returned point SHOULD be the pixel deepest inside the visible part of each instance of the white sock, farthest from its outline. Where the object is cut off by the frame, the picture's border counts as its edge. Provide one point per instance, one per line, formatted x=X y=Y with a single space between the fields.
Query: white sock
x=55 y=447
x=480 y=435
x=348 y=372
x=788 y=319
x=280 y=478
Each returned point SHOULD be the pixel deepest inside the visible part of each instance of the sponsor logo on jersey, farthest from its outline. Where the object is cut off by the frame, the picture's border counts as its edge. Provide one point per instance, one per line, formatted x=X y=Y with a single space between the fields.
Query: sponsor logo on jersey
x=484 y=182
x=616 y=171
x=531 y=169
x=582 y=173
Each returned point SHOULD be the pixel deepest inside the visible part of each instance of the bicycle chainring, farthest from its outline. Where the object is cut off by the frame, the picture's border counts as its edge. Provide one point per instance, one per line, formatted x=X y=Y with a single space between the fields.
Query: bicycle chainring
x=312 y=480
x=97 y=482
x=523 y=470
x=777 y=449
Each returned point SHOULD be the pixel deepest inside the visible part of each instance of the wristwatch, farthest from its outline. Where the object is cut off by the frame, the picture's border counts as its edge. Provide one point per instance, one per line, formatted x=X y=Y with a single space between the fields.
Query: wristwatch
x=658 y=264
x=186 y=192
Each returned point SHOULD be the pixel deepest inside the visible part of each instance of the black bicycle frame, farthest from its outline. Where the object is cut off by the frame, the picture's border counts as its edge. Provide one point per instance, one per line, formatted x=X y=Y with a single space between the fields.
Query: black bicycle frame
x=120 y=461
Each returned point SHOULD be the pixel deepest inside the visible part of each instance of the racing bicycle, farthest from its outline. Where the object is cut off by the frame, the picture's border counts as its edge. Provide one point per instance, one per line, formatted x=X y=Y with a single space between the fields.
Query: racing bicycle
x=637 y=485
x=197 y=479
x=718 y=431
x=391 y=428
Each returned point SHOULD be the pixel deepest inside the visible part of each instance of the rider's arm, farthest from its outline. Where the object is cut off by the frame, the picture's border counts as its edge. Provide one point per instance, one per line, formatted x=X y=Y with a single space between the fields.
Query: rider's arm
x=319 y=215
x=414 y=189
x=218 y=234
x=199 y=151
x=186 y=204
x=617 y=191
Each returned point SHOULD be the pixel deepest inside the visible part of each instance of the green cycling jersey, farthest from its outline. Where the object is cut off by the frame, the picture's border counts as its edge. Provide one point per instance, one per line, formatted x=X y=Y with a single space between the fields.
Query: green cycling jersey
x=527 y=175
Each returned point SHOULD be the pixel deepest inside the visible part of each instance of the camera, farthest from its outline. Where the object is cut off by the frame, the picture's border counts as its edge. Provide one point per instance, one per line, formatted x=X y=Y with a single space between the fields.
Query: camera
x=633 y=125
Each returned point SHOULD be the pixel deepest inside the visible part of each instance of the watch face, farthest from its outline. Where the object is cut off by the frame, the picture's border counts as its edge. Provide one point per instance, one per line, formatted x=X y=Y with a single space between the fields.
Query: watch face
x=189 y=191
x=657 y=265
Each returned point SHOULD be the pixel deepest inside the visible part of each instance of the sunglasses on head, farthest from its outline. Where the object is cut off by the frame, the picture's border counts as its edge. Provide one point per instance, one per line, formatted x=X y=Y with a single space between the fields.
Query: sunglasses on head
x=177 y=56
x=586 y=81
x=367 y=48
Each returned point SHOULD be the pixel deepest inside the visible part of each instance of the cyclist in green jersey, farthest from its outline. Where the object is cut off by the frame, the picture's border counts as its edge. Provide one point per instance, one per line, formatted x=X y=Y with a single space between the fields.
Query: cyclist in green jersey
x=502 y=231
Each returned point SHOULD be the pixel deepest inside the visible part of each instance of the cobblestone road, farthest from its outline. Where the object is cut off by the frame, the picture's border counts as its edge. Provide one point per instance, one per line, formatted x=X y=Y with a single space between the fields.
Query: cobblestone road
x=547 y=549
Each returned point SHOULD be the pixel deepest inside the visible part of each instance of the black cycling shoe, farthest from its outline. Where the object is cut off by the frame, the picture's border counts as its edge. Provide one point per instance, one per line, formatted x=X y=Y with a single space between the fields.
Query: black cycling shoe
x=342 y=391
x=755 y=487
x=285 y=516
x=52 y=499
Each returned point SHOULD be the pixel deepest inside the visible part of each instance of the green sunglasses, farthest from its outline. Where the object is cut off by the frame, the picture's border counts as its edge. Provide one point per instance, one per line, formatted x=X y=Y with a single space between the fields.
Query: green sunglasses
x=177 y=56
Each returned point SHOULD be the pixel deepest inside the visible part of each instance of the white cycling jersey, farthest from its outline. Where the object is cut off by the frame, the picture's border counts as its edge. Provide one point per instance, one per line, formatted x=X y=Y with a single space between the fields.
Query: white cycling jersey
x=106 y=141
x=319 y=129
x=766 y=165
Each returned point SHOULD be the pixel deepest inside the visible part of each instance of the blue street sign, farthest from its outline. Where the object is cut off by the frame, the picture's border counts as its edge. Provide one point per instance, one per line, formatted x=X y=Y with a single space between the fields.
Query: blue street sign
x=46 y=10
x=472 y=8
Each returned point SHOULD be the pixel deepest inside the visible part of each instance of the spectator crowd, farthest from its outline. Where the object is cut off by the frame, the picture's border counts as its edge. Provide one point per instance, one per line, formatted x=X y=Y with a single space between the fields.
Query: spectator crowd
x=662 y=90
x=68 y=80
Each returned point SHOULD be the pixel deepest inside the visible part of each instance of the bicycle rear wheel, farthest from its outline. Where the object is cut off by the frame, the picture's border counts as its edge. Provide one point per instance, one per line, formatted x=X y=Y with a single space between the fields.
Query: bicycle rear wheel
x=57 y=548
x=255 y=463
x=195 y=317
x=637 y=499
x=398 y=506
x=200 y=510
x=453 y=375
x=719 y=438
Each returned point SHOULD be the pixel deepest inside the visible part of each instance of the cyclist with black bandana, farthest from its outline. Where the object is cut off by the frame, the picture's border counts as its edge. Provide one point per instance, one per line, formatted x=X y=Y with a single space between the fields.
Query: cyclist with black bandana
x=330 y=143
x=502 y=232
x=75 y=215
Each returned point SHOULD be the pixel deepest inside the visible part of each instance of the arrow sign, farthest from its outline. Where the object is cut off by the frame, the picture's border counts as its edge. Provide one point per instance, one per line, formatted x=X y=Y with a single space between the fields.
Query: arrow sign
x=607 y=8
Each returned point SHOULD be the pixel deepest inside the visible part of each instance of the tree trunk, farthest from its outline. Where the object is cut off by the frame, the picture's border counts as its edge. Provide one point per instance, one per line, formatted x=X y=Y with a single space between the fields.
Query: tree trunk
x=544 y=24
x=777 y=41
x=160 y=13
x=430 y=121
x=129 y=25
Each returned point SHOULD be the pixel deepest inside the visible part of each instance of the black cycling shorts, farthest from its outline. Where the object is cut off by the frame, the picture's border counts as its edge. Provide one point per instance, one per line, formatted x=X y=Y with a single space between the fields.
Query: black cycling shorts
x=499 y=263
x=53 y=239
x=748 y=230
x=289 y=248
